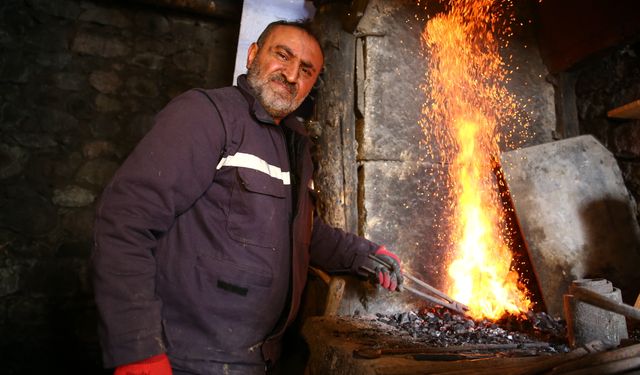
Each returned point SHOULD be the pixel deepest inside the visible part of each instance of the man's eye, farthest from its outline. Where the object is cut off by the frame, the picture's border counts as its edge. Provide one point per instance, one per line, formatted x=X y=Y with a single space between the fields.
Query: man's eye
x=282 y=56
x=306 y=72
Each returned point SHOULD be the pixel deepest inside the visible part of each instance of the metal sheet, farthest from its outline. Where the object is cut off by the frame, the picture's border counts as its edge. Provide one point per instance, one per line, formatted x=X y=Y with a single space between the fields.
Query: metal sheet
x=576 y=215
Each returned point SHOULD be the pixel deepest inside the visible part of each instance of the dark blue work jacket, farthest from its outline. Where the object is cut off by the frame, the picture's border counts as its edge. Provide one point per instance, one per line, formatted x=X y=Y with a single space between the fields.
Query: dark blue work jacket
x=201 y=244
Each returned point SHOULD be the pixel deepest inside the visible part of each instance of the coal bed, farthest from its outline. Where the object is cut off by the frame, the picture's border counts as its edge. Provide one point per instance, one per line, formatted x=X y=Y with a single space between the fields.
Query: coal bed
x=532 y=333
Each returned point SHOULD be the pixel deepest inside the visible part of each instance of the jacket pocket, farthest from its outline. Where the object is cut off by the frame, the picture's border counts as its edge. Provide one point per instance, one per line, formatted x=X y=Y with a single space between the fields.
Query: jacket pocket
x=259 y=210
x=261 y=183
x=222 y=323
x=237 y=300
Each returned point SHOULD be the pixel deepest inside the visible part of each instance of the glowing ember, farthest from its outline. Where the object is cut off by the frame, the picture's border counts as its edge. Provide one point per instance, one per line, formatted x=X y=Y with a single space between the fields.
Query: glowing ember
x=469 y=103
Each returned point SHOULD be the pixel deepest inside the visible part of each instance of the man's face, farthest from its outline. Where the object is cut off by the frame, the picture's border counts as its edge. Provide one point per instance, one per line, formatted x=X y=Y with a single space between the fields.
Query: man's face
x=284 y=69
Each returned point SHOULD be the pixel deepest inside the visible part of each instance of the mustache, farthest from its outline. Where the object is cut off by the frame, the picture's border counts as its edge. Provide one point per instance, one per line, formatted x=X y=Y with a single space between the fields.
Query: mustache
x=291 y=87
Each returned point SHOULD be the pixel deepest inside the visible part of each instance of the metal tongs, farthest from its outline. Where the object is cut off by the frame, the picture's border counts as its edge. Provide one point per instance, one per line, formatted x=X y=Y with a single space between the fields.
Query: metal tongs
x=432 y=294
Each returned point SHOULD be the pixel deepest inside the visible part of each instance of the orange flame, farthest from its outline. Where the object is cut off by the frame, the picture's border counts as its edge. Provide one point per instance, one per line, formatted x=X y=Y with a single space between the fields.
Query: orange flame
x=468 y=101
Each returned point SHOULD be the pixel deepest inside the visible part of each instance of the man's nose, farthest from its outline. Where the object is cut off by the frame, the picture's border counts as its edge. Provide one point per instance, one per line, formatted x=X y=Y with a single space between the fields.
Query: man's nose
x=292 y=72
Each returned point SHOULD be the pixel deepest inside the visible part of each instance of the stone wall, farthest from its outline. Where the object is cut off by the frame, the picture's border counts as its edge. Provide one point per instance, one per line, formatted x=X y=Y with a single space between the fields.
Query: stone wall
x=80 y=82
x=605 y=82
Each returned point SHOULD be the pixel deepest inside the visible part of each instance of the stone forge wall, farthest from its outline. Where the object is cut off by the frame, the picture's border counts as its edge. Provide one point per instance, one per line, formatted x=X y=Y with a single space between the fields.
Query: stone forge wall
x=396 y=177
x=602 y=84
x=79 y=85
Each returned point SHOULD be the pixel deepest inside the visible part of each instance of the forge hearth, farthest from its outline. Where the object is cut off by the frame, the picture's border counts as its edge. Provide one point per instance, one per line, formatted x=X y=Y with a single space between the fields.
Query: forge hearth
x=576 y=220
x=437 y=342
x=411 y=342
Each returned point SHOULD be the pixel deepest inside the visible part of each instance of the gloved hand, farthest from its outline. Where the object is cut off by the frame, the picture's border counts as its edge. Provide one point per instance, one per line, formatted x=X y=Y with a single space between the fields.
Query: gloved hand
x=389 y=278
x=156 y=365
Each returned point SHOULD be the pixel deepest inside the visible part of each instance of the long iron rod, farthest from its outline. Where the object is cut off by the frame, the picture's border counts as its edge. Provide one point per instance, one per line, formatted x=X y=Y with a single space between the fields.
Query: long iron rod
x=433 y=290
x=451 y=306
x=596 y=299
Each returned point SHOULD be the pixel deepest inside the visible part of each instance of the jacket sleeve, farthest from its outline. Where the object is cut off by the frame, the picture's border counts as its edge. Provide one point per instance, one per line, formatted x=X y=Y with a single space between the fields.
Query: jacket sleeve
x=335 y=250
x=168 y=170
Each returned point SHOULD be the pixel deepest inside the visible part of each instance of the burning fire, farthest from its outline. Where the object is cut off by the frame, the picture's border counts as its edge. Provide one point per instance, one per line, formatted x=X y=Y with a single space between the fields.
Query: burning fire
x=468 y=104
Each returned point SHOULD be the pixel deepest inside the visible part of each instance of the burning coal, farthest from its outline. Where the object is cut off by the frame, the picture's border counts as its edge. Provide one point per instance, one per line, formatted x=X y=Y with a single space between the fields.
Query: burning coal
x=440 y=328
x=468 y=108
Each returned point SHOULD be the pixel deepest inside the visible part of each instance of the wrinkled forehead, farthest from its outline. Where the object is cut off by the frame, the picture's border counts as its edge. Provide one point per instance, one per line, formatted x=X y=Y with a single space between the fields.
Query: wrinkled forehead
x=298 y=40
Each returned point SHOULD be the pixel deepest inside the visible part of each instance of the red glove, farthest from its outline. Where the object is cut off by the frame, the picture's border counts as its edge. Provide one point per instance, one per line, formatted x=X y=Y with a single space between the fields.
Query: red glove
x=389 y=277
x=156 y=365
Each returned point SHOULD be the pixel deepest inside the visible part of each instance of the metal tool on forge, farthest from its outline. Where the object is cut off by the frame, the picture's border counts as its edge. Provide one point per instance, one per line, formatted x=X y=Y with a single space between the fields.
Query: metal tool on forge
x=430 y=294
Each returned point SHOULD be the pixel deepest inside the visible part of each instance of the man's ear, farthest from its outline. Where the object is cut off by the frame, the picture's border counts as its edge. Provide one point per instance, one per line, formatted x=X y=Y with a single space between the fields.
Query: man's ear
x=252 y=53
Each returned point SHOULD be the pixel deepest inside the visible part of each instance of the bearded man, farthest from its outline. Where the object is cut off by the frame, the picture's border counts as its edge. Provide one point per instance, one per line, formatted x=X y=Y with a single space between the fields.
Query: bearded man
x=204 y=236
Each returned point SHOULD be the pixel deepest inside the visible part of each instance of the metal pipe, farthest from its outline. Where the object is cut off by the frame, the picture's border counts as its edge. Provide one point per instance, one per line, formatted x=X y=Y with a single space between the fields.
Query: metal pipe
x=596 y=299
x=229 y=9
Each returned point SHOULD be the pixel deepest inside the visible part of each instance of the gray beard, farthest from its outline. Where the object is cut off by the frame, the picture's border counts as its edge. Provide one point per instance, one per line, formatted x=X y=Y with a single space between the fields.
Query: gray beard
x=276 y=104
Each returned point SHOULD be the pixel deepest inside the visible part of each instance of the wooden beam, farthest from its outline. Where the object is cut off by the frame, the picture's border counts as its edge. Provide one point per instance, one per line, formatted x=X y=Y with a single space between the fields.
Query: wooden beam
x=229 y=9
x=336 y=177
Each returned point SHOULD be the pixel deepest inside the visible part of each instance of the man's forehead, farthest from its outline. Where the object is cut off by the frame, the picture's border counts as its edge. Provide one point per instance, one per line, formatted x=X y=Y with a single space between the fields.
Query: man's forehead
x=283 y=33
